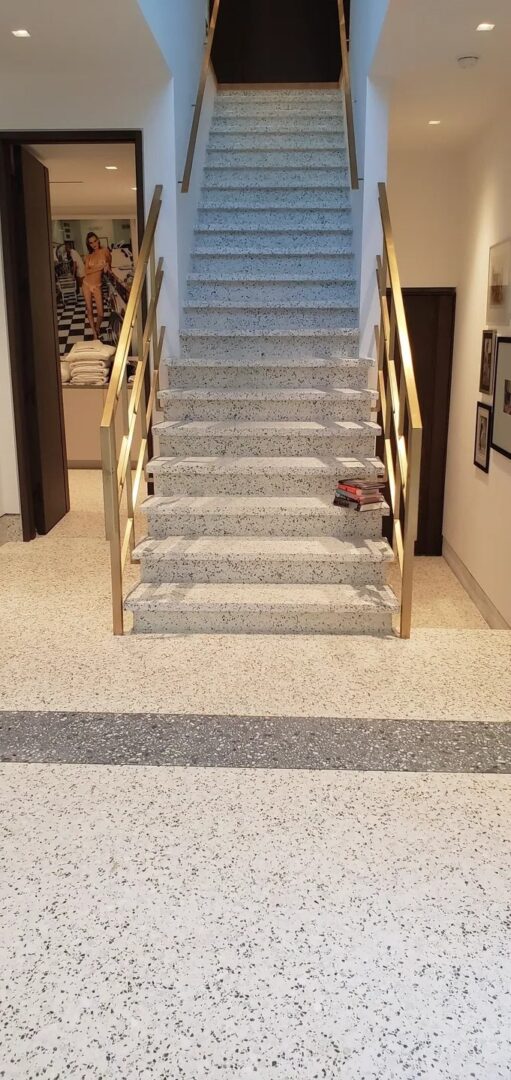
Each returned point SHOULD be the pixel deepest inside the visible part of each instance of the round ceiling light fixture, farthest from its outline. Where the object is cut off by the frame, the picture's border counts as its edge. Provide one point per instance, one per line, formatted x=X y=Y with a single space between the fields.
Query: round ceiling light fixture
x=467 y=61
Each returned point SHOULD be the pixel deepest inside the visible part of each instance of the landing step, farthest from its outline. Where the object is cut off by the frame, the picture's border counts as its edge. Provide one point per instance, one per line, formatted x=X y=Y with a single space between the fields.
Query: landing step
x=261 y=609
x=264 y=559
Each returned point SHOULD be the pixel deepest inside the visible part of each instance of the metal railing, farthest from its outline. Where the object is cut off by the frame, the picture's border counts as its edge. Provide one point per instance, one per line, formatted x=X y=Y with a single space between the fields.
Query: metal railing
x=400 y=413
x=128 y=409
x=185 y=183
x=348 y=100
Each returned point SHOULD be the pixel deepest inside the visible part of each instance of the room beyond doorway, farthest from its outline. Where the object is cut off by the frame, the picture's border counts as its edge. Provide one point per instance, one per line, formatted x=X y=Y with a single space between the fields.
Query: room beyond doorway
x=68 y=201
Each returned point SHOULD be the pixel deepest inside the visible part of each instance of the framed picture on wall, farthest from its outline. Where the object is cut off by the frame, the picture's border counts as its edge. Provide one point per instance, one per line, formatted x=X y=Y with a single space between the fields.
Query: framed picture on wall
x=498 y=307
x=501 y=434
x=482 y=439
x=487 y=372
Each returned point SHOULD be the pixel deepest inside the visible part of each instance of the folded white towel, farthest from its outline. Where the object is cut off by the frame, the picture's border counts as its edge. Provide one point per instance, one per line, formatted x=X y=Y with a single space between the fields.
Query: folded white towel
x=81 y=367
x=96 y=350
x=88 y=382
x=65 y=371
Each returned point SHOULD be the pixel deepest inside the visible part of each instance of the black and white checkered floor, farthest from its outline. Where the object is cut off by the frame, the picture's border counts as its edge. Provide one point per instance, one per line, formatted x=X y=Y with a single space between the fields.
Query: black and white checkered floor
x=73 y=324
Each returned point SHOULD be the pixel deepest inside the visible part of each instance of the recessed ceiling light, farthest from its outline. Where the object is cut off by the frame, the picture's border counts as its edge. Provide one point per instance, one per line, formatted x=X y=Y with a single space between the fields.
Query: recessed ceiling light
x=20 y=33
x=111 y=168
x=485 y=26
x=434 y=123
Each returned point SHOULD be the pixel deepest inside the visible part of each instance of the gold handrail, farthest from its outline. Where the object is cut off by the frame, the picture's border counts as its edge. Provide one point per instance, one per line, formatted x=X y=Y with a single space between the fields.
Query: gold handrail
x=348 y=100
x=185 y=183
x=399 y=411
x=135 y=410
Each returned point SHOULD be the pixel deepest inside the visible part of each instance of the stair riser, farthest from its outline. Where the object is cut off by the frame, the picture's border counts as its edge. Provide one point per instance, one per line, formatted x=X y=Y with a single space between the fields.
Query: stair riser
x=332 y=267
x=276 y=159
x=261 y=570
x=261 y=109
x=344 y=524
x=267 y=321
x=276 y=177
x=264 y=219
x=265 y=378
x=273 y=243
x=300 y=124
x=264 y=445
x=241 y=621
x=262 y=485
x=244 y=349
x=282 y=141
x=257 y=293
x=274 y=198
x=322 y=411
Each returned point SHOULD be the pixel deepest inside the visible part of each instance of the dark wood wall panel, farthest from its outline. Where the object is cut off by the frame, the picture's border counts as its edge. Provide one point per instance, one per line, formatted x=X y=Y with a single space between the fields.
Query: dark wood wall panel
x=277 y=41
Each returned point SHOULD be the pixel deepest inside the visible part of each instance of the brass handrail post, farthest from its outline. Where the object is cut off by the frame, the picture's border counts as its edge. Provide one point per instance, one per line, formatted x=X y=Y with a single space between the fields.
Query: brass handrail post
x=348 y=100
x=400 y=413
x=185 y=183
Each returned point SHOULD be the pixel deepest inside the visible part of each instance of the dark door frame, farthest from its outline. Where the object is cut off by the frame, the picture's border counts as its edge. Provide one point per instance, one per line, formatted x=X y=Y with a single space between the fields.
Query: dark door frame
x=12 y=222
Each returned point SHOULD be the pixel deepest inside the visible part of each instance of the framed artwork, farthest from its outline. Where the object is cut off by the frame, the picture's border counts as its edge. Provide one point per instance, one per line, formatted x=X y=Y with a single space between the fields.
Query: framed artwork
x=501 y=434
x=487 y=372
x=498 y=306
x=482 y=439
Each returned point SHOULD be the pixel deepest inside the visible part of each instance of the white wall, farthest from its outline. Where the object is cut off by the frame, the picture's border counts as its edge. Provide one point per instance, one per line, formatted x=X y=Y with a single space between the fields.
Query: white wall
x=427 y=207
x=448 y=207
x=53 y=86
x=174 y=25
x=371 y=128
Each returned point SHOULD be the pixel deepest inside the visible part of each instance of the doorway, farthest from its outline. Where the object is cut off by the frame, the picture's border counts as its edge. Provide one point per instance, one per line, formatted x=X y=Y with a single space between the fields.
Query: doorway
x=68 y=201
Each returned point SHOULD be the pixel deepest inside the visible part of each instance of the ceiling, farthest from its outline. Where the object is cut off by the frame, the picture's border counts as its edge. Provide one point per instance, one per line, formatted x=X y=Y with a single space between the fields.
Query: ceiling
x=417 y=55
x=80 y=183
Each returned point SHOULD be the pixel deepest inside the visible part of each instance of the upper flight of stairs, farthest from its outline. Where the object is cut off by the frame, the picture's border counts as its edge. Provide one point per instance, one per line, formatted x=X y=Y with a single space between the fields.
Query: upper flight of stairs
x=268 y=404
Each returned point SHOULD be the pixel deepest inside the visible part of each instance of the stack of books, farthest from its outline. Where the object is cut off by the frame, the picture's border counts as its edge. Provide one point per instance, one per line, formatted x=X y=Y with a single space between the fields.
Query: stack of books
x=359 y=494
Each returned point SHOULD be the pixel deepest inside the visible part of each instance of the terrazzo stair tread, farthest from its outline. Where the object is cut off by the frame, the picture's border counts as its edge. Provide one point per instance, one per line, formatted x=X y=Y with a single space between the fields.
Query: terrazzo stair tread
x=223 y=372
x=244 y=515
x=278 y=291
x=284 y=140
x=255 y=608
x=268 y=264
x=278 y=125
x=265 y=437
x=246 y=404
x=282 y=219
x=325 y=176
x=258 y=476
x=259 y=110
x=293 y=560
x=248 y=345
x=274 y=199
x=262 y=317
x=293 y=158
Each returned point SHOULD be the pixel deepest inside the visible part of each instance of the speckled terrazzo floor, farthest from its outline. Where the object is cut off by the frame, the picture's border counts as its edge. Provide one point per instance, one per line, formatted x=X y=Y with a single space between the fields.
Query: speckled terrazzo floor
x=57 y=651
x=188 y=923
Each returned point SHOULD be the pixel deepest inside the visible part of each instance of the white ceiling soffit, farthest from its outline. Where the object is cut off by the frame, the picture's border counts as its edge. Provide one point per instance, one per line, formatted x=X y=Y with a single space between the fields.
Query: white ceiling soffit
x=80 y=183
x=79 y=40
x=417 y=57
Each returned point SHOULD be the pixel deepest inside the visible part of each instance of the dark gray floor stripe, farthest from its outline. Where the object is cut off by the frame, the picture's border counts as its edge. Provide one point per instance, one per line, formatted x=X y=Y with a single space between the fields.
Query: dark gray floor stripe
x=261 y=742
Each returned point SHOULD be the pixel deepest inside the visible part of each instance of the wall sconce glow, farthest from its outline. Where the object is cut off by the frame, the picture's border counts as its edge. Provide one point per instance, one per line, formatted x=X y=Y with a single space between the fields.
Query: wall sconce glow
x=484 y=27
x=20 y=33
x=133 y=189
x=111 y=168
x=434 y=123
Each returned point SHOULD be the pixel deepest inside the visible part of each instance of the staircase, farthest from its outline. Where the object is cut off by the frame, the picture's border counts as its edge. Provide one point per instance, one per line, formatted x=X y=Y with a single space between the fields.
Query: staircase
x=268 y=403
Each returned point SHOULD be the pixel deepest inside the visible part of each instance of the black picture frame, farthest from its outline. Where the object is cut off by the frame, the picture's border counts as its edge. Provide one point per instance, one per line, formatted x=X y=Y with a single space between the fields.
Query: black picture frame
x=501 y=426
x=487 y=368
x=482 y=453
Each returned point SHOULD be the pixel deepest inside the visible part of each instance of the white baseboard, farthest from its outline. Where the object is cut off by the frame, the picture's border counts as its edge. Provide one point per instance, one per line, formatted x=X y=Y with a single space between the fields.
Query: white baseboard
x=495 y=620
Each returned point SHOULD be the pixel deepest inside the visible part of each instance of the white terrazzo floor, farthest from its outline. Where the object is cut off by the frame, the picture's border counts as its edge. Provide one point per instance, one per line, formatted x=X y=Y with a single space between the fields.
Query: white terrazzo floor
x=187 y=923
x=57 y=650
